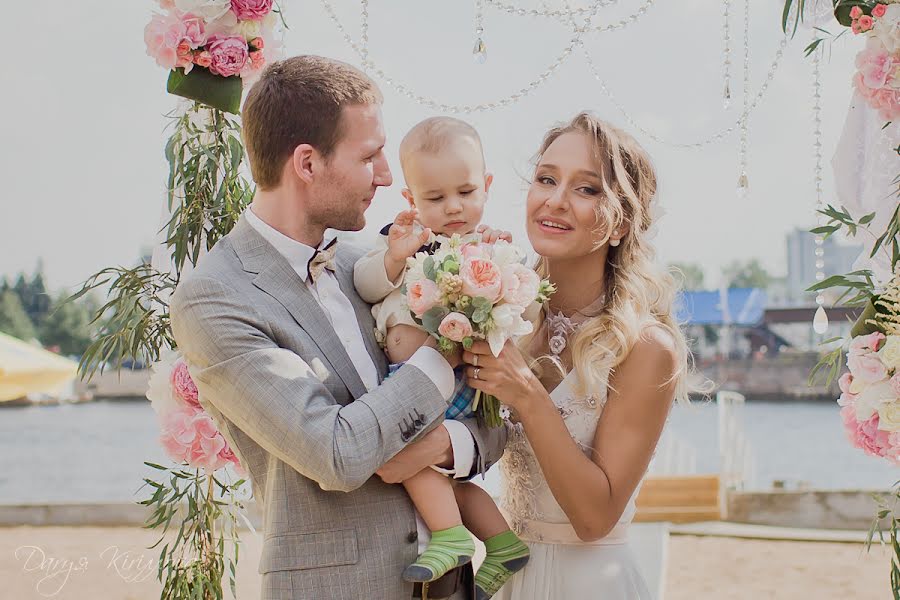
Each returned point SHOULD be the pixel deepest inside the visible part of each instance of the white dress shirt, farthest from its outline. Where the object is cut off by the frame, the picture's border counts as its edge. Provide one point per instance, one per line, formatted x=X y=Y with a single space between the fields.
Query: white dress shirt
x=340 y=313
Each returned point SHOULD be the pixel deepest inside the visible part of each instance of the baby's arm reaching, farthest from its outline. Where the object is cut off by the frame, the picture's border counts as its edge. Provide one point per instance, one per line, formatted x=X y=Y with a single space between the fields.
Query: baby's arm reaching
x=379 y=272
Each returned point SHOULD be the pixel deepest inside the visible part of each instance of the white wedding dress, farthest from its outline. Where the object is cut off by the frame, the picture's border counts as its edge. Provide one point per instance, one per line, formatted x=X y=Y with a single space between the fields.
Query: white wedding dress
x=562 y=567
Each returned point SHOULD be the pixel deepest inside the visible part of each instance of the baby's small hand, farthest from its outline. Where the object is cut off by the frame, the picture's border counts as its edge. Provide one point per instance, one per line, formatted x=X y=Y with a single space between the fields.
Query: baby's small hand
x=403 y=239
x=489 y=236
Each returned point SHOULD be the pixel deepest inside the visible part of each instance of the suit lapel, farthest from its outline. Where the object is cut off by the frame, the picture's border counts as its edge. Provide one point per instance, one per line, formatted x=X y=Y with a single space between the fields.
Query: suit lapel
x=275 y=277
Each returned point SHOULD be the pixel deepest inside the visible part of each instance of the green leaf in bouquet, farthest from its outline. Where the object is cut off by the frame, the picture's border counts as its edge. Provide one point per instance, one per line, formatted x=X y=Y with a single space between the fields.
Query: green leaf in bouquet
x=482 y=304
x=219 y=92
x=467 y=343
x=842 y=10
x=431 y=320
x=862 y=325
x=479 y=316
x=429 y=268
x=450 y=265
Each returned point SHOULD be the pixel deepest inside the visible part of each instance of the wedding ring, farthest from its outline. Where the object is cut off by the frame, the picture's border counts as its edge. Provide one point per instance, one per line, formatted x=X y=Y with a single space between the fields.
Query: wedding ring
x=475 y=372
x=475 y=362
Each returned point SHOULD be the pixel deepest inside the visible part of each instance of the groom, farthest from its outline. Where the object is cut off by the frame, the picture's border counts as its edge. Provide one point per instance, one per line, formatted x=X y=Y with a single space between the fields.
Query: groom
x=283 y=352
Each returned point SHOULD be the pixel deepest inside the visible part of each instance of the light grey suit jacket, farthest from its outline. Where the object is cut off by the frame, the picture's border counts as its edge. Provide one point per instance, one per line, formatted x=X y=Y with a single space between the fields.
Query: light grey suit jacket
x=257 y=342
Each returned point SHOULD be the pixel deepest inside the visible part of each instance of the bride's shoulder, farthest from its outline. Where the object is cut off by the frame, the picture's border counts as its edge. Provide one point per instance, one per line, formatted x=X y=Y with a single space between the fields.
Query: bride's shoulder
x=657 y=349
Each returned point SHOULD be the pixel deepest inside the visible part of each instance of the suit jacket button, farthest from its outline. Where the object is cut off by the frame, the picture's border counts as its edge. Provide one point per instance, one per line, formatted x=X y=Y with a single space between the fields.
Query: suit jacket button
x=412 y=537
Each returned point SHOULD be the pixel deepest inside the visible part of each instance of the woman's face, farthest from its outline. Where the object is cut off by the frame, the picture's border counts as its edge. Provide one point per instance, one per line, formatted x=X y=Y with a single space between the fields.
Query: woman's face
x=562 y=219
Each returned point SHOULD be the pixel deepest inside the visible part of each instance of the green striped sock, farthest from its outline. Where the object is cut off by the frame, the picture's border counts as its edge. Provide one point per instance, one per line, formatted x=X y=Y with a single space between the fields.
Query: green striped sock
x=448 y=548
x=506 y=554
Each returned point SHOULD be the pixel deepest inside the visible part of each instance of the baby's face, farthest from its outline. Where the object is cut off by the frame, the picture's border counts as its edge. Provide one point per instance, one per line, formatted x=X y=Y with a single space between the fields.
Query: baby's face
x=449 y=188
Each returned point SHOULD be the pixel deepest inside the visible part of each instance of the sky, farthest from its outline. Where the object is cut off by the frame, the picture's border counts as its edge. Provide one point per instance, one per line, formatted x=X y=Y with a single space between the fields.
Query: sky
x=83 y=118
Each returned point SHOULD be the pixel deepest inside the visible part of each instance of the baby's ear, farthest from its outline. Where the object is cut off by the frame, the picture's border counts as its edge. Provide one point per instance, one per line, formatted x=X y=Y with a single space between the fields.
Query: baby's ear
x=488 y=180
x=409 y=197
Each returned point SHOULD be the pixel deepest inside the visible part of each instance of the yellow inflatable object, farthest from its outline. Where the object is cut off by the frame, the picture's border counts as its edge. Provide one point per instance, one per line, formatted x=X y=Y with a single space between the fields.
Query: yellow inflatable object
x=27 y=369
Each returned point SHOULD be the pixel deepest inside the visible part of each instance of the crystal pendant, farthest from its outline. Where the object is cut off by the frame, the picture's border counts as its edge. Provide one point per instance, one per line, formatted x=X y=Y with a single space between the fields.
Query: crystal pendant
x=727 y=95
x=820 y=321
x=479 y=53
x=743 y=185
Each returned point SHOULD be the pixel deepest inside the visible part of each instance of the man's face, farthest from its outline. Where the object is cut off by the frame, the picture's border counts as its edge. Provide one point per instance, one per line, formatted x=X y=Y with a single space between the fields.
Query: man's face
x=355 y=170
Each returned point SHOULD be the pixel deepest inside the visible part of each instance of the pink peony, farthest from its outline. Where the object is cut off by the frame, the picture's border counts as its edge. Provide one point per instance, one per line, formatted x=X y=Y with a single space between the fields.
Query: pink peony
x=520 y=285
x=866 y=22
x=184 y=386
x=865 y=435
x=456 y=327
x=251 y=10
x=228 y=53
x=867 y=368
x=856 y=12
x=878 y=11
x=481 y=278
x=194 y=30
x=422 y=296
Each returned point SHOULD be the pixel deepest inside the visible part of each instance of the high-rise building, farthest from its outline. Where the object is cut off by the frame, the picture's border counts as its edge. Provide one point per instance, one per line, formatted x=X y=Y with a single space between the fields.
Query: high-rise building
x=801 y=263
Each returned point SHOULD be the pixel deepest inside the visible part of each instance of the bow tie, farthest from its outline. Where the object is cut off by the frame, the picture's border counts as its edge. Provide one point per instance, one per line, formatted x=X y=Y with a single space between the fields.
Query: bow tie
x=321 y=260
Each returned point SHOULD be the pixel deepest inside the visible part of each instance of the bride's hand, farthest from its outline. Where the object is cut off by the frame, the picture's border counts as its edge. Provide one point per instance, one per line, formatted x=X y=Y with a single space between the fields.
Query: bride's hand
x=506 y=377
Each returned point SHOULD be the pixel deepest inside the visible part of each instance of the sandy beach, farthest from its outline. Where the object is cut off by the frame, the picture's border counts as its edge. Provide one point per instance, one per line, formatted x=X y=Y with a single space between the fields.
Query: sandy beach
x=81 y=563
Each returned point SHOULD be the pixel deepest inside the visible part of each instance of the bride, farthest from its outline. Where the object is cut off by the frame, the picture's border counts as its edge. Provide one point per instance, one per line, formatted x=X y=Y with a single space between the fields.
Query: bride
x=610 y=360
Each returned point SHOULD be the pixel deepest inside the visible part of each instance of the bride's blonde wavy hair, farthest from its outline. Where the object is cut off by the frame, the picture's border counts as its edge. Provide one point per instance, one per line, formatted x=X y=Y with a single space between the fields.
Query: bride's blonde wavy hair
x=638 y=292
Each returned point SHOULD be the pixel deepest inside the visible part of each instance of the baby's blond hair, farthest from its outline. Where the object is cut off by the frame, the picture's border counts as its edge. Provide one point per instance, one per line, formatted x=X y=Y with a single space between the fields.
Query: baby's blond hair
x=435 y=134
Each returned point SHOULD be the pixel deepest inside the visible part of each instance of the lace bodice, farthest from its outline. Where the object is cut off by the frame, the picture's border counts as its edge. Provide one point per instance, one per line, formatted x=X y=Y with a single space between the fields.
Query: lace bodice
x=526 y=495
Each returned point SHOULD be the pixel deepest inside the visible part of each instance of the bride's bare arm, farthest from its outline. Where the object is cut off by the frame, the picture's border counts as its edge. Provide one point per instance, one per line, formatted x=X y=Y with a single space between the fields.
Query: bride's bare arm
x=593 y=491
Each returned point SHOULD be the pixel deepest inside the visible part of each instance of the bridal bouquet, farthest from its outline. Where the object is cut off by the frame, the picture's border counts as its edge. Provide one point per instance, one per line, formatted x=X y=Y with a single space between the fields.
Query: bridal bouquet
x=187 y=433
x=211 y=46
x=467 y=291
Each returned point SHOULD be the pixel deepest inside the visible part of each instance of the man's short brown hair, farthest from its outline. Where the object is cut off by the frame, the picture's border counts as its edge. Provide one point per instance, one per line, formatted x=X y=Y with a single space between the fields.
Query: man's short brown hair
x=297 y=101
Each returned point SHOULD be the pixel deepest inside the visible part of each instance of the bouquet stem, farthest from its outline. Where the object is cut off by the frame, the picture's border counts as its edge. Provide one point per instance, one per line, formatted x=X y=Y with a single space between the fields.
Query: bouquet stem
x=487 y=409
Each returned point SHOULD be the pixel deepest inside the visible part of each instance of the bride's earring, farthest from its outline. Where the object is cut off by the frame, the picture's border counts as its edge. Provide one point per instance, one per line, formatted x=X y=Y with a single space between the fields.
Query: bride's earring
x=613 y=241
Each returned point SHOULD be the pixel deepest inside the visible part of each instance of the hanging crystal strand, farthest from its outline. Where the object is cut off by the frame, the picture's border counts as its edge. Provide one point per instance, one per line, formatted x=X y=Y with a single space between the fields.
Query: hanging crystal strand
x=479 y=52
x=820 y=320
x=727 y=69
x=364 y=34
x=743 y=187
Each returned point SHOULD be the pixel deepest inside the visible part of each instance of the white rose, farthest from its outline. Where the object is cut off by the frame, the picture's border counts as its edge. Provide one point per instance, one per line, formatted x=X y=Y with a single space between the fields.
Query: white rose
x=887 y=28
x=873 y=398
x=159 y=388
x=249 y=29
x=210 y=10
x=506 y=254
x=890 y=352
x=889 y=417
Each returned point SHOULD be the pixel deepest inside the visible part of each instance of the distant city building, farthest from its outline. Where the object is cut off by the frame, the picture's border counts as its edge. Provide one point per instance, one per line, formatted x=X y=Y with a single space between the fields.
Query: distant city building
x=801 y=265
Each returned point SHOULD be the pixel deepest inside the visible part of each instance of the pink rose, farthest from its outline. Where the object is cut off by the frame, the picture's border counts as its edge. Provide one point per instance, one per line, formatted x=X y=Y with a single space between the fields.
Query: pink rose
x=456 y=327
x=856 y=12
x=520 y=285
x=847 y=397
x=194 y=30
x=258 y=43
x=422 y=296
x=866 y=22
x=203 y=59
x=867 y=368
x=866 y=343
x=251 y=10
x=878 y=11
x=229 y=54
x=854 y=27
x=481 y=278
x=184 y=386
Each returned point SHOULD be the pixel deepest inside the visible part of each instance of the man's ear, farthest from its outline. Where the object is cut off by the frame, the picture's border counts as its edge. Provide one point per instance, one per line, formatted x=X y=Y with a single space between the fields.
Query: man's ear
x=409 y=197
x=488 y=180
x=304 y=162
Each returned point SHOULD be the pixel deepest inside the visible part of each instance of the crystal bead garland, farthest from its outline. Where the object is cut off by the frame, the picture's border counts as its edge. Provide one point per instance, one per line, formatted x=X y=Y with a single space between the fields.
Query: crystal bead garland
x=364 y=32
x=479 y=52
x=743 y=186
x=727 y=66
x=820 y=320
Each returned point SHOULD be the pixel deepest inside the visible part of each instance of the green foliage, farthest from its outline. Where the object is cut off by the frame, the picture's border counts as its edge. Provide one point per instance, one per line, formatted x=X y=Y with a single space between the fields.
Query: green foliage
x=747 y=274
x=690 y=275
x=68 y=326
x=14 y=320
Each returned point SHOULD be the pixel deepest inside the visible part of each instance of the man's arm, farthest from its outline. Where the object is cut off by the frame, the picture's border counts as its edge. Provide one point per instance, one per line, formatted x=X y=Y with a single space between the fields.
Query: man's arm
x=274 y=397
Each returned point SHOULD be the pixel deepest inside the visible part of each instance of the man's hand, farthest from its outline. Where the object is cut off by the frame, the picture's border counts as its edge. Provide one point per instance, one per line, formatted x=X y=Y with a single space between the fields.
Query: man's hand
x=403 y=241
x=432 y=449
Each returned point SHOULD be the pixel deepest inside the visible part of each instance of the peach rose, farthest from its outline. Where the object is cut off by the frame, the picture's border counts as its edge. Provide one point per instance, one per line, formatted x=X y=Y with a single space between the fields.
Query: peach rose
x=422 y=296
x=481 y=278
x=456 y=327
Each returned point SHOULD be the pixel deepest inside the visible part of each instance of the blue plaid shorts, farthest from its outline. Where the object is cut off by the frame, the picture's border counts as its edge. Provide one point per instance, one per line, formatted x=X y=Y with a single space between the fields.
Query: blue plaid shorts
x=461 y=402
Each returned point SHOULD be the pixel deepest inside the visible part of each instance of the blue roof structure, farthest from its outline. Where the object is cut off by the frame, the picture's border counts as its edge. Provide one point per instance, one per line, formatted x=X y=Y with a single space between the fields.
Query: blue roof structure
x=736 y=306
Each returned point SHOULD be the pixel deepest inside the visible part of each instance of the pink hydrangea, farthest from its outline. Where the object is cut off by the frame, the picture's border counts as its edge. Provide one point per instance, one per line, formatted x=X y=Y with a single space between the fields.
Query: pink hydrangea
x=183 y=385
x=229 y=54
x=876 y=65
x=251 y=10
x=190 y=436
x=163 y=35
